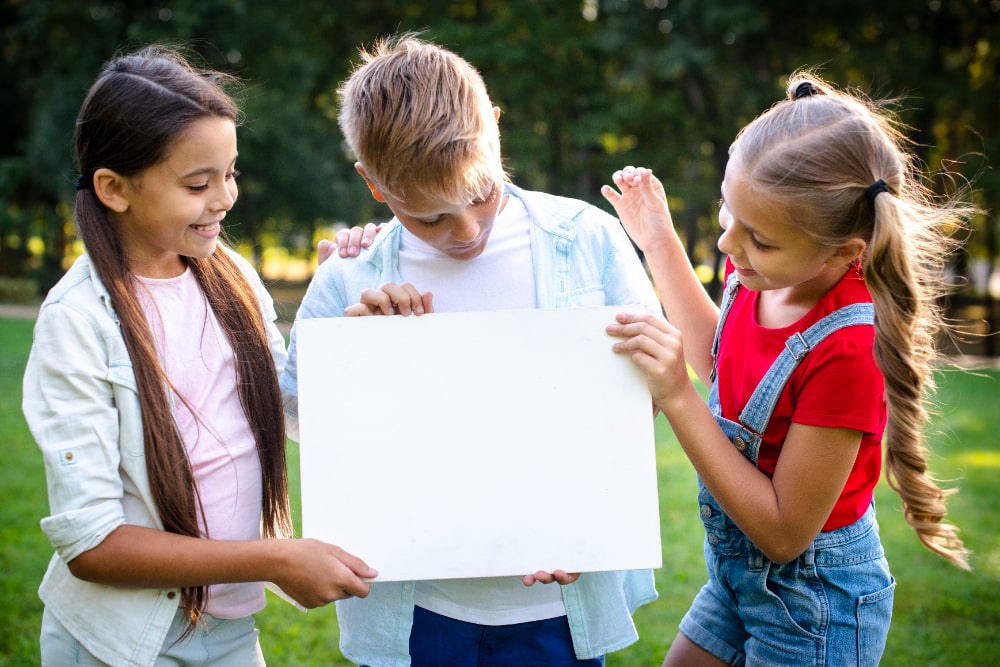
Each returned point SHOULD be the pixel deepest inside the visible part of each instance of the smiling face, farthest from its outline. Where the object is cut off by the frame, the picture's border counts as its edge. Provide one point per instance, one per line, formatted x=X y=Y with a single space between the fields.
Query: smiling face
x=768 y=248
x=174 y=208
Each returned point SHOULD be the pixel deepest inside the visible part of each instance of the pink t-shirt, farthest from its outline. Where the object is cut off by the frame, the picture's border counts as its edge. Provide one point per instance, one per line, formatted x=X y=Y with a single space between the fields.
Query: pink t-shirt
x=837 y=385
x=199 y=361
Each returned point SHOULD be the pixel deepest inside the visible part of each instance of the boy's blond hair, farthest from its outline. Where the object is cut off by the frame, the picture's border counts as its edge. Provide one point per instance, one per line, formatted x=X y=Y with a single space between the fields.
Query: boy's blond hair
x=418 y=117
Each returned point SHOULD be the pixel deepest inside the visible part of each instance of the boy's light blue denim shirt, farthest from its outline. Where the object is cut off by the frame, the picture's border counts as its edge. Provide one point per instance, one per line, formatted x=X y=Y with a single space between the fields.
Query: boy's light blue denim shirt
x=581 y=258
x=82 y=408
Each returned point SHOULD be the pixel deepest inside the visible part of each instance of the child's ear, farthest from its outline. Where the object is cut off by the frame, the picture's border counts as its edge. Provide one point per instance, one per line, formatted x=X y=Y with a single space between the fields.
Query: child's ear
x=112 y=189
x=371 y=185
x=848 y=252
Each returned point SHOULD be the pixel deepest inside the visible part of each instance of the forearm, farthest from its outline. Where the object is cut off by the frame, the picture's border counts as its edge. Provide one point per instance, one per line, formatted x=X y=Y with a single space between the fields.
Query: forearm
x=148 y=558
x=312 y=572
x=685 y=301
x=746 y=495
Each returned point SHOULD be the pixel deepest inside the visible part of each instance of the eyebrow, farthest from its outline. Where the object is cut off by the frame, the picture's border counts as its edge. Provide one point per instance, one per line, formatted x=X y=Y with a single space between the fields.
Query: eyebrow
x=435 y=214
x=207 y=170
x=419 y=215
x=750 y=228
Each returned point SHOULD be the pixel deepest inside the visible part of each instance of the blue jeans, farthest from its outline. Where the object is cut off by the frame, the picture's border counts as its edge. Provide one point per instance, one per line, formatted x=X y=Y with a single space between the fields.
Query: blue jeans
x=439 y=641
x=830 y=606
x=217 y=642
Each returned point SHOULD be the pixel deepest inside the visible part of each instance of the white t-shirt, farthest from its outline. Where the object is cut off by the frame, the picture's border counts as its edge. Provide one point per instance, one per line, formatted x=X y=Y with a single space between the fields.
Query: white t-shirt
x=200 y=363
x=501 y=278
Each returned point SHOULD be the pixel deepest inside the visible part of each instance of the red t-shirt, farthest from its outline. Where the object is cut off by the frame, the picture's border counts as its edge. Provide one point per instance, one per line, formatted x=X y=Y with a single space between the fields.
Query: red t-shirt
x=836 y=385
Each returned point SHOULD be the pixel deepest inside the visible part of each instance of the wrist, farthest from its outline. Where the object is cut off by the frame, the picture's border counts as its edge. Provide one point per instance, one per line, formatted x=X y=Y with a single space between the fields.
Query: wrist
x=680 y=402
x=662 y=245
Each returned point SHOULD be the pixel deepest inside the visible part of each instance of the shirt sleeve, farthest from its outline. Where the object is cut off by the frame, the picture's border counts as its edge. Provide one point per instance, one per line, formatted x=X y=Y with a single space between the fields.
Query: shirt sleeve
x=70 y=385
x=322 y=299
x=625 y=276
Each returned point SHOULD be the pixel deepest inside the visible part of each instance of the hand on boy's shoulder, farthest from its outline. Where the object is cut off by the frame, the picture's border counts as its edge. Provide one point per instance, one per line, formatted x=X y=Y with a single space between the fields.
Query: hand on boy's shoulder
x=348 y=243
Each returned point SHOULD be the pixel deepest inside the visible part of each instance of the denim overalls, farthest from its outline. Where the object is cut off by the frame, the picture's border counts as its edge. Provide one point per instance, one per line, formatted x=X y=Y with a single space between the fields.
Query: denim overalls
x=830 y=606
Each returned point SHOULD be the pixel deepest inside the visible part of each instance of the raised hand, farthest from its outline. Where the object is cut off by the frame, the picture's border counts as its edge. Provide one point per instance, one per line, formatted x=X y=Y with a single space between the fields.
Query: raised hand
x=641 y=205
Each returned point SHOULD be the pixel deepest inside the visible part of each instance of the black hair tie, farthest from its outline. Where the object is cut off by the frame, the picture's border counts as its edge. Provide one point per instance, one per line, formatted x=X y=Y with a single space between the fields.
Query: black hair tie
x=875 y=189
x=85 y=181
x=804 y=89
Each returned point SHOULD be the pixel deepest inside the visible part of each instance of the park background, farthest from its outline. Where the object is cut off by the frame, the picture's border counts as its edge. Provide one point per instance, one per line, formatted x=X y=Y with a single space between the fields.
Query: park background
x=585 y=87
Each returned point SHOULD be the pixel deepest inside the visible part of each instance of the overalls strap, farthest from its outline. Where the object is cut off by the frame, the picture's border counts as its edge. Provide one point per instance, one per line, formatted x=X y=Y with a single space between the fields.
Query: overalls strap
x=757 y=412
x=728 y=297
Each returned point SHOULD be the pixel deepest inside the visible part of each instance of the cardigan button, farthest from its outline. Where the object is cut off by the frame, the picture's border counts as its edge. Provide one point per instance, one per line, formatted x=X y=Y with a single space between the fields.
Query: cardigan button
x=171 y=595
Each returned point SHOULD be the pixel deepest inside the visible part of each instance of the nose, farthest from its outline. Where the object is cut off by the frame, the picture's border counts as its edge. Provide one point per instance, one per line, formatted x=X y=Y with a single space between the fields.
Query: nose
x=226 y=196
x=466 y=228
x=725 y=242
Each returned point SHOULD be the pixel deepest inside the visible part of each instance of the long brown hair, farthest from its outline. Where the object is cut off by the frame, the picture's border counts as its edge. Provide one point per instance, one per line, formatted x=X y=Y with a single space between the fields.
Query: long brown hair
x=823 y=152
x=139 y=105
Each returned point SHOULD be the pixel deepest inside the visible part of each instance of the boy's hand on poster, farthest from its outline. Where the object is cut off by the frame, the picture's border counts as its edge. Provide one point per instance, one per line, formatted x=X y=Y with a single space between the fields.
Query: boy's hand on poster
x=392 y=299
x=558 y=577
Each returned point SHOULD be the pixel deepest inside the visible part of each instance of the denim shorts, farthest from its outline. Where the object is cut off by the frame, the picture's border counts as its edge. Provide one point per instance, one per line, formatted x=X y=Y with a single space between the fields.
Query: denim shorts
x=216 y=642
x=830 y=606
x=439 y=640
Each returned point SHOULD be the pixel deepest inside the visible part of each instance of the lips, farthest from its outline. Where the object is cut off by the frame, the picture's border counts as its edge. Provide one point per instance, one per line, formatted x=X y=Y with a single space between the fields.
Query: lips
x=210 y=227
x=467 y=248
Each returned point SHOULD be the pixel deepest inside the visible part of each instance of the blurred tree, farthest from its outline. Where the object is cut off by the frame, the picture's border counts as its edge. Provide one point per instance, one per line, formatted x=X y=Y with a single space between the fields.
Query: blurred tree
x=584 y=87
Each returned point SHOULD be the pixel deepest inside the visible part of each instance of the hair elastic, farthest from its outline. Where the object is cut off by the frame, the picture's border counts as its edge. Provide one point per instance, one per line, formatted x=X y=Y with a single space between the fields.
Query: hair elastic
x=85 y=181
x=875 y=189
x=804 y=89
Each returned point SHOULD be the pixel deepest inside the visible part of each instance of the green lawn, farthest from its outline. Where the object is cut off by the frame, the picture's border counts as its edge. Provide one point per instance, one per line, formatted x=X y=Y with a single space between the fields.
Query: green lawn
x=943 y=616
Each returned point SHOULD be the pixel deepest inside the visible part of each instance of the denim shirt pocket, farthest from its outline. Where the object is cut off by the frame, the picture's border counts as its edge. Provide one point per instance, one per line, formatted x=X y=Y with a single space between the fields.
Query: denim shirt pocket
x=588 y=296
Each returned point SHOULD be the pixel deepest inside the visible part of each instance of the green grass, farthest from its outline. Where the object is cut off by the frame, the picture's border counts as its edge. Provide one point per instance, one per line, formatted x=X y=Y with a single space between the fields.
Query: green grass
x=24 y=550
x=943 y=616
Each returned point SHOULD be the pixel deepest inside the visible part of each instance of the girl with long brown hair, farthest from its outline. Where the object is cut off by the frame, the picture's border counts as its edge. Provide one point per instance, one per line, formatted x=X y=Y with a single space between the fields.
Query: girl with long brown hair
x=152 y=391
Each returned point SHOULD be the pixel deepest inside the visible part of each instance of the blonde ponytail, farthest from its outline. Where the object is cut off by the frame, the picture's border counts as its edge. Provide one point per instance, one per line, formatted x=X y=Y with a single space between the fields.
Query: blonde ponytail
x=908 y=318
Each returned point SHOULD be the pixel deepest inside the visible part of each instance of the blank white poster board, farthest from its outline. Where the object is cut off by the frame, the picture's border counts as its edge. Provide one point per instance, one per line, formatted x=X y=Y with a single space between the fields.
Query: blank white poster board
x=456 y=445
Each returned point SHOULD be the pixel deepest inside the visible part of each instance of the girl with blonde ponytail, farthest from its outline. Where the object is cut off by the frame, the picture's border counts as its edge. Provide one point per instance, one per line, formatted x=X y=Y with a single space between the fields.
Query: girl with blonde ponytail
x=820 y=355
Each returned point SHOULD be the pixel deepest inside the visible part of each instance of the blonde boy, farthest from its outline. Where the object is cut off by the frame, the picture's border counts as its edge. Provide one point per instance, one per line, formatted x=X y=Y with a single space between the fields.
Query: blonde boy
x=421 y=124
